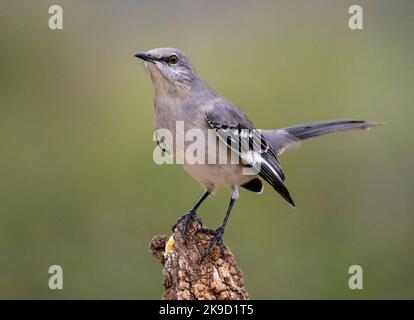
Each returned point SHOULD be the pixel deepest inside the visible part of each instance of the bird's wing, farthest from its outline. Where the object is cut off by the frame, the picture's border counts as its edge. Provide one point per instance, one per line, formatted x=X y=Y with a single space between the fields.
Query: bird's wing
x=235 y=129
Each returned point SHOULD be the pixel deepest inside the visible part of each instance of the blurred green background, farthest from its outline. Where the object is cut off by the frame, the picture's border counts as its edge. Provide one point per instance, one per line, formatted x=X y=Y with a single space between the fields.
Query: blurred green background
x=79 y=187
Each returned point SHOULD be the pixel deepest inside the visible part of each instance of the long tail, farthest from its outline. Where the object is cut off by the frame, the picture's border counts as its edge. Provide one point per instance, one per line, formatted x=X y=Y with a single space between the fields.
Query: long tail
x=315 y=129
x=286 y=138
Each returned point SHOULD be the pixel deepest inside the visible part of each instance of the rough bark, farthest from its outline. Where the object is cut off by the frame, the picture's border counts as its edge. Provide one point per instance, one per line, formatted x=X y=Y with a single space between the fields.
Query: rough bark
x=187 y=276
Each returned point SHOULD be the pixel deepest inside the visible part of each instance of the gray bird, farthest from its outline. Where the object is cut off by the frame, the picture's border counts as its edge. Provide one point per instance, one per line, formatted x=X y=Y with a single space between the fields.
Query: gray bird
x=181 y=95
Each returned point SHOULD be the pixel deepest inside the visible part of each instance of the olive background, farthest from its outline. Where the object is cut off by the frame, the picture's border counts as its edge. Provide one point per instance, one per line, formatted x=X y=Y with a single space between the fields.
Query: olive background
x=79 y=188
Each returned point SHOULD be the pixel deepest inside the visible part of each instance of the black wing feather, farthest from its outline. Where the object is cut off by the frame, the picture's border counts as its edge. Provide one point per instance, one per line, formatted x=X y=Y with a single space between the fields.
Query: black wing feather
x=269 y=166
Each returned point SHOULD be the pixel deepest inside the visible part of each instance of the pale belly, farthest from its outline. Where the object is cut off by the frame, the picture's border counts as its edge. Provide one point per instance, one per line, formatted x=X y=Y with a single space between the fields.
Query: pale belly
x=212 y=175
x=213 y=172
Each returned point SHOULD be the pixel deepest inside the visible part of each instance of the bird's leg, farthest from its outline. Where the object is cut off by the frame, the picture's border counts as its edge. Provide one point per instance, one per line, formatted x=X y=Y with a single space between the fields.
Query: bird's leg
x=218 y=233
x=185 y=218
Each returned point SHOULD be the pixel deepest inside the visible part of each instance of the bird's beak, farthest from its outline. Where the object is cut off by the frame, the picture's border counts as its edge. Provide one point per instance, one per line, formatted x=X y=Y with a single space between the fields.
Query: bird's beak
x=145 y=56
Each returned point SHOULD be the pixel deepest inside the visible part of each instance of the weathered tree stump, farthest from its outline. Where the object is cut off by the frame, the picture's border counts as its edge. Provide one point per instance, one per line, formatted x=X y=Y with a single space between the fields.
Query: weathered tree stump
x=187 y=276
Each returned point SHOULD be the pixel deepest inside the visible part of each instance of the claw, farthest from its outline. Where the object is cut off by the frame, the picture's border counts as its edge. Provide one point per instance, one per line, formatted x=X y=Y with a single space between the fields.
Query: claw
x=182 y=223
x=183 y=219
x=217 y=240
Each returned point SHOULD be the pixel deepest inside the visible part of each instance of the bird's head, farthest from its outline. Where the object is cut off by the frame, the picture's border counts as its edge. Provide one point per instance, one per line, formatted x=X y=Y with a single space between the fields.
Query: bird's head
x=169 y=68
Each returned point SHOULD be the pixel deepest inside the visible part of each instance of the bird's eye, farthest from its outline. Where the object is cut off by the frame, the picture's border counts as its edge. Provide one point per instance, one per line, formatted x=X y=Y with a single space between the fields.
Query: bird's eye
x=172 y=59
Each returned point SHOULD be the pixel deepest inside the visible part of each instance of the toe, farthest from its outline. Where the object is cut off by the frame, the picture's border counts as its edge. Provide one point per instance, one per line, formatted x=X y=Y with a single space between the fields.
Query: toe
x=216 y=240
x=183 y=220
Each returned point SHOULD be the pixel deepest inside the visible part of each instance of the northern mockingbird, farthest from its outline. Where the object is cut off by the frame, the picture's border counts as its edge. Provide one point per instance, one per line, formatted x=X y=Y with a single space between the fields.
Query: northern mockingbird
x=181 y=95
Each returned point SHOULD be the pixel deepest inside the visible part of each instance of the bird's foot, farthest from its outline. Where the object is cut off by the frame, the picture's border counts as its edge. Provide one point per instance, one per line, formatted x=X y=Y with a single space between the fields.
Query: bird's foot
x=182 y=223
x=217 y=240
